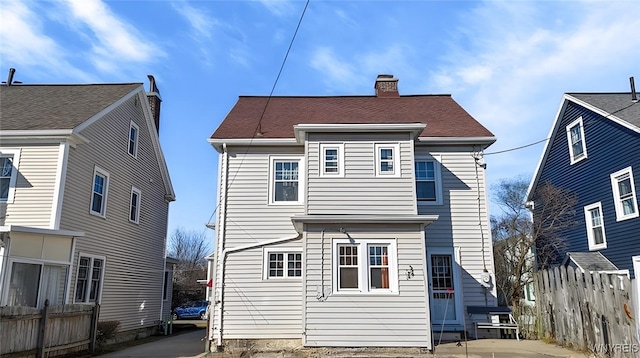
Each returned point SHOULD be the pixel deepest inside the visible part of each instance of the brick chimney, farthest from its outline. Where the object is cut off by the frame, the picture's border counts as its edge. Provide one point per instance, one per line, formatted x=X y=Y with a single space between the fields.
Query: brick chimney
x=386 y=86
x=154 y=101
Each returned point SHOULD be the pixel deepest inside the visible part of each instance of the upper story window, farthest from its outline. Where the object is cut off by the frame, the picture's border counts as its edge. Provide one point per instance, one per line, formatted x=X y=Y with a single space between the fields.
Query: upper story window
x=365 y=266
x=134 y=206
x=286 y=180
x=99 y=192
x=89 y=278
x=9 y=159
x=428 y=181
x=332 y=160
x=133 y=139
x=283 y=263
x=624 y=194
x=387 y=159
x=595 y=226
x=575 y=137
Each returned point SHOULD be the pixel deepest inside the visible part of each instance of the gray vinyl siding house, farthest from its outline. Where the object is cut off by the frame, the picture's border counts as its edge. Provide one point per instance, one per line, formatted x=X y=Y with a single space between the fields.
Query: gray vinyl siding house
x=321 y=236
x=92 y=192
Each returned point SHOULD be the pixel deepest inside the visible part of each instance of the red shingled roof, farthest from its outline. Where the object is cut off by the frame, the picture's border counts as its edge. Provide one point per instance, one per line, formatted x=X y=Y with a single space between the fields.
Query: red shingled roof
x=442 y=115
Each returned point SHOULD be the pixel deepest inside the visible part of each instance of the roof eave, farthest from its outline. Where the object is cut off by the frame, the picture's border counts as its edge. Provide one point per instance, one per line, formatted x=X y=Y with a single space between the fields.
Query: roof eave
x=299 y=221
x=49 y=136
x=301 y=129
x=217 y=143
x=486 y=141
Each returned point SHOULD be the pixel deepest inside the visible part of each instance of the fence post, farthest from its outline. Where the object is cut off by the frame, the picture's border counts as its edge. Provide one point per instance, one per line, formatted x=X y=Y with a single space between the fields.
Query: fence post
x=43 y=329
x=94 y=327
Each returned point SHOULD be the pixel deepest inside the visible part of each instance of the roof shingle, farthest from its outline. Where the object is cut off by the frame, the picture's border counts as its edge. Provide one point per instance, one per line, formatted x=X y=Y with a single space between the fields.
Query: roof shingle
x=45 y=107
x=442 y=115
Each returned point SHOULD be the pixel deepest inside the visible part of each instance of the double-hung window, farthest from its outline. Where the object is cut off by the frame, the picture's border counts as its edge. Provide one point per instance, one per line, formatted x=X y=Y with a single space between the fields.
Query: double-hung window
x=133 y=139
x=282 y=263
x=89 y=278
x=595 y=226
x=286 y=180
x=365 y=266
x=8 y=174
x=99 y=192
x=387 y=159
x=134 y=205
x=575 y=138
x=428 y=181
x=332 y=160
x=624 y=194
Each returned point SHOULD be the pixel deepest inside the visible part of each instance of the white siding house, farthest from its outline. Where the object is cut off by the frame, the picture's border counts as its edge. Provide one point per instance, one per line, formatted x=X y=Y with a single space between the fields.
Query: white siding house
x=86 y=220
x=354 y=221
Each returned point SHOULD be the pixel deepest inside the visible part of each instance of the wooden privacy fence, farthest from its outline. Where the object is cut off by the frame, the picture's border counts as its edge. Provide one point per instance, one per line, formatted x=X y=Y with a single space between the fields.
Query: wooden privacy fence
x=589 y=312
x=47 y=332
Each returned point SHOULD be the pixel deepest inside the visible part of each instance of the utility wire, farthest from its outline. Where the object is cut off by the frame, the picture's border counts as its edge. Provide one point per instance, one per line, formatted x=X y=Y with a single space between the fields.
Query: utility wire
x=259 y=125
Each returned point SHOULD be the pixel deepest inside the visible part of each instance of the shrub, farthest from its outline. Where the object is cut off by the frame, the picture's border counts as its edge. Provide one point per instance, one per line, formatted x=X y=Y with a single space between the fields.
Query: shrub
x=106 y=331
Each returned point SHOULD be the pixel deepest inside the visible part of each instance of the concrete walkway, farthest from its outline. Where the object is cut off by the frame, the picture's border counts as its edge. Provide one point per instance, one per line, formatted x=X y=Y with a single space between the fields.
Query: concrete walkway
x=504 y=348
x=183 y=345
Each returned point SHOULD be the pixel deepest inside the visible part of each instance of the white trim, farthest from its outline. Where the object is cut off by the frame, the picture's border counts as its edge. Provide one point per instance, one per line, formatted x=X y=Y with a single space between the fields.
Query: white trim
x=589 y=226
x=395 y=147
x=14 y=154
x=90 y=277
x=103 y=212
x=363 y=266
x=300 y=220
x=19 y=137
x=108 y=109
x=578 y=122
x=285 y=251
x=456 y=140
x=218 y=143
x=58 y=191
x=301 y=175
x=138 y=204
x=603 y=113
x=620 y=216
x=38 y=230
x=437 y=160
x=136 y=141
x=300 y=130
x=339 y=147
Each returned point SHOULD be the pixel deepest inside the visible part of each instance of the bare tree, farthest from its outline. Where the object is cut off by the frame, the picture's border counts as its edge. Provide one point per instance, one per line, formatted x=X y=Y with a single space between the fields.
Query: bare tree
x=521 y=244
x=190 y=249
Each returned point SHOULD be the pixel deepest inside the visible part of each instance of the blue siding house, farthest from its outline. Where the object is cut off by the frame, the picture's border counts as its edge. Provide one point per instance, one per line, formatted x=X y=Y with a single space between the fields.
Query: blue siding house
x=594 y=151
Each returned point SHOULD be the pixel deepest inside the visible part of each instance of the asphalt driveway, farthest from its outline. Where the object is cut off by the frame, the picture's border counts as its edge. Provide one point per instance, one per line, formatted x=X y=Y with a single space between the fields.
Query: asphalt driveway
x=184 y=345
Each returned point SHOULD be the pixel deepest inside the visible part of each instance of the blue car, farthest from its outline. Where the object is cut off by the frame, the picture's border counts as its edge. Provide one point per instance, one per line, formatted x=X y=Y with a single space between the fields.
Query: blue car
x=197 y=309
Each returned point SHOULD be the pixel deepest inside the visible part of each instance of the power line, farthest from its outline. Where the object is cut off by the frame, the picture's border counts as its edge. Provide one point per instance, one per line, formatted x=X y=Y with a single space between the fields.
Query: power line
x=516 y=148
x=259 y=125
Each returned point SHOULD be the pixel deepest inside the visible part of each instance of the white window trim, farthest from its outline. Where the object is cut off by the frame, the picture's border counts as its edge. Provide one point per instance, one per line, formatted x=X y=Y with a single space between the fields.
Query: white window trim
x=340 y=148
x=363 y=267
x=437 y=159
x=98 y=170
x=15 y=154
x=587 y=217
x=620 y=216
x=139 y=193
x=136 y=141
x=88 y=288
x=285 y=251
x=4 y=296
x=396 y=159
x=579 y=123
x=301 y=177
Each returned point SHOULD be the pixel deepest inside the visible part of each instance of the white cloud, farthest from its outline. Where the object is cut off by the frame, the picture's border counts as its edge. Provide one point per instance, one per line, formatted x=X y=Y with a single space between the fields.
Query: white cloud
x=115 y=41
x=200 y=22
x=26 y=47
x=337 y=72
x=277 y=7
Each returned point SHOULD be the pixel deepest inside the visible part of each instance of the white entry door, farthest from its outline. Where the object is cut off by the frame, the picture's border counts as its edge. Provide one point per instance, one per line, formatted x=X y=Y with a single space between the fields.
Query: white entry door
x=444 y=286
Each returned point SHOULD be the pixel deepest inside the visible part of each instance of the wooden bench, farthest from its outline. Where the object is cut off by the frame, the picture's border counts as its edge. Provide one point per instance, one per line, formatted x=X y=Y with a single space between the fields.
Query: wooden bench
x=494 y=313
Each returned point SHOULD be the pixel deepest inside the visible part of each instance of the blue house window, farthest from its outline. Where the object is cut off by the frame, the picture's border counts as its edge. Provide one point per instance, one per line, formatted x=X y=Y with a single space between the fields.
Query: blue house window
x=595 y=226
x=624 y=194
x=575 y=137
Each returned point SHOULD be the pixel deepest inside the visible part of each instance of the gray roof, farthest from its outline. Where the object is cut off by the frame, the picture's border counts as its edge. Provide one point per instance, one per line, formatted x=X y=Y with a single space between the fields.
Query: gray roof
x=44 y=107
x=590 y=261
x=617 y=104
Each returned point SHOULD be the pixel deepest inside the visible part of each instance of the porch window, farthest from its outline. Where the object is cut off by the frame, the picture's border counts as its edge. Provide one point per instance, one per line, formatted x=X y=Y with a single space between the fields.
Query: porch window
x=89 y=279
x=31 y=284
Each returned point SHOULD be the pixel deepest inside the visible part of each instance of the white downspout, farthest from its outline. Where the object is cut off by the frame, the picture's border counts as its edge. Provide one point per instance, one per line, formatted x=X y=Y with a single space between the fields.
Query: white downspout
x=219 y=259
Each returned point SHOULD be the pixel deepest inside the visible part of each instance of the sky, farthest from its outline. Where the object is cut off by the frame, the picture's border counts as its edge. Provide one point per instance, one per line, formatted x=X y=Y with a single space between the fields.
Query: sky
x=507 y=63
